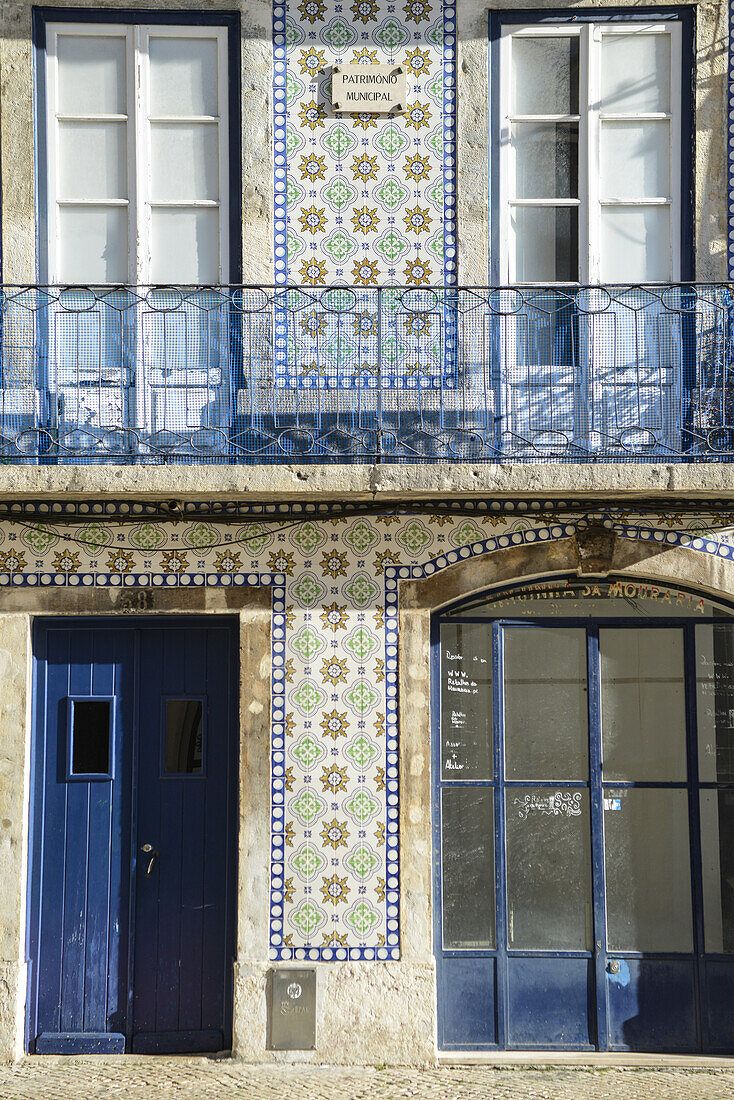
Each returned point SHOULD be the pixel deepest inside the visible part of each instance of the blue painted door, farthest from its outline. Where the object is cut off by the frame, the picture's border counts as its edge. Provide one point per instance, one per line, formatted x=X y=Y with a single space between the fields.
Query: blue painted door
x=131 y=930
x=583 y=822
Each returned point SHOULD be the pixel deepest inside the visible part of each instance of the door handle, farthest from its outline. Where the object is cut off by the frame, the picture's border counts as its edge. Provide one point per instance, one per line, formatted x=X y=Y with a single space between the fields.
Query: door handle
x=154 y=856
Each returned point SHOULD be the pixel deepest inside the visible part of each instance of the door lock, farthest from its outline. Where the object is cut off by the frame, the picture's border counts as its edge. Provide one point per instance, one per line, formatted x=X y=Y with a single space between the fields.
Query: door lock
x=149 y=848
x=613 y=966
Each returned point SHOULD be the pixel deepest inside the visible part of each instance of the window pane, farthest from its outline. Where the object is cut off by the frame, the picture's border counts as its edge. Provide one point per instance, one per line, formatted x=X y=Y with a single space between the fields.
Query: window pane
x=183 y=736
x=635 y=160
x=546 y=160
x=647 y=860
x=635 y=72
x=548 y=869
x=545 y=75
x=546 y=243
x=92 y=244
x=643 y=716
x=466 y=701
x=546 y=704
x=467 y=860
x=717 y=850
x=184 y=161
x=635 y=244
x=92 y=160
x=90 y=737
x=715 y=703
x=185 y=247
x=183 y=76
x=91 y=74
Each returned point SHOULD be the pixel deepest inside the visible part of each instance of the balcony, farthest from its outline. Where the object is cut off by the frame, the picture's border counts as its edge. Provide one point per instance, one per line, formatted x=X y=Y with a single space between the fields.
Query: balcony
x=263 y=375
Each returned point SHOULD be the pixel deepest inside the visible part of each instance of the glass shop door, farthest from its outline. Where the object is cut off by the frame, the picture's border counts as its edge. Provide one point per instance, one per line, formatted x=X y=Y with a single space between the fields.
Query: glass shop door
x=583 y=834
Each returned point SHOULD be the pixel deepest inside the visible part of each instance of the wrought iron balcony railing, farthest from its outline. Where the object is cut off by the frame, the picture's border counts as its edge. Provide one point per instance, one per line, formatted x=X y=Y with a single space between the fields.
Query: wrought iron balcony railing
x=244 y=374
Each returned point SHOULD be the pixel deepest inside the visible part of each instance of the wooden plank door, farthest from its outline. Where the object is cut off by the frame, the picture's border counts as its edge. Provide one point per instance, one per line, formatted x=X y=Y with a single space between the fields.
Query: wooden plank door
x=80 y=867
x=184 y=860
x=135 y=747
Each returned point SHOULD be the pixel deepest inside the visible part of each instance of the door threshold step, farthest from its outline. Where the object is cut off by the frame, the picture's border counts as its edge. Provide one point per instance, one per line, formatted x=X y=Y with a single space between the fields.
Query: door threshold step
x=544 y=1059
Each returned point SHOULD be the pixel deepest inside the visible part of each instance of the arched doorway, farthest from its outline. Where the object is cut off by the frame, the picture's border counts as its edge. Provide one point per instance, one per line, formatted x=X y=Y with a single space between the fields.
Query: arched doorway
x=583 y=795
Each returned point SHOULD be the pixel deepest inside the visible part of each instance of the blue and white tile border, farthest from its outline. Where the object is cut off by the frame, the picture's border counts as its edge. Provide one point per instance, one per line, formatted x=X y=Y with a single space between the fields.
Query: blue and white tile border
x=280 y=161
x=450 y=222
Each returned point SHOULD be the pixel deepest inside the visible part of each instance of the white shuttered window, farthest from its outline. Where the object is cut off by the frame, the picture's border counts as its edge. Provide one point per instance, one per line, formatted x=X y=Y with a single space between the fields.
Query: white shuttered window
x=590 y=119
x=137 y=154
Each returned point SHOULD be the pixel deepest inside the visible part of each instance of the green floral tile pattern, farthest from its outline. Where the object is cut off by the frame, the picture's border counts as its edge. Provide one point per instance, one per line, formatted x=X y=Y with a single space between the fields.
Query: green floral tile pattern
x=363 y=171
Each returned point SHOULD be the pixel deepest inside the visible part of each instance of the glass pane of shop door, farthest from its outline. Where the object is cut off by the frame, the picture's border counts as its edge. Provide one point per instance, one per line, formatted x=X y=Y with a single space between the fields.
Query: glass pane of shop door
x=648 y=869
x=550 y=984
x=546 y=723
x=651 y=967
x=548 y=869
x=546 y=737
x=646 y=829
x=715 y=713
x=643 y=705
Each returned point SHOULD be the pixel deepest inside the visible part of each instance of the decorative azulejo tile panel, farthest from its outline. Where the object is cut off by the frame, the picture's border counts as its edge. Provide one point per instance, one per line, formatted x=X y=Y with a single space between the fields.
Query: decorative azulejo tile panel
x=364 y=199
x=335 y=799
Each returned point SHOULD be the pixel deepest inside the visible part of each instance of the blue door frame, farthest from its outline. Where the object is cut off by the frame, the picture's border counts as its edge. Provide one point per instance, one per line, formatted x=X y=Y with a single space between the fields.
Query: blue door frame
x=131 y=937
x=494 y=999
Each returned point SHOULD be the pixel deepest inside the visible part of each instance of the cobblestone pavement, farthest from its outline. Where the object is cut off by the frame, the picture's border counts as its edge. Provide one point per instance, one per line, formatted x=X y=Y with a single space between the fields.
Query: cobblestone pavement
x=211 y=1079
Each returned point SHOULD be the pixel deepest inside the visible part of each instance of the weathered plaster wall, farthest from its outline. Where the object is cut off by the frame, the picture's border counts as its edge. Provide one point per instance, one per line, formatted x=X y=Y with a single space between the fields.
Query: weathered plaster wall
x=381 y=484
x=14 y=698
x=367 y=1013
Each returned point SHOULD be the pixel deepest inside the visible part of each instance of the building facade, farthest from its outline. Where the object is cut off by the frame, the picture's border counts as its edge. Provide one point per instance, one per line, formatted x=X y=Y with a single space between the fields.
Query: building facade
x=366 y=529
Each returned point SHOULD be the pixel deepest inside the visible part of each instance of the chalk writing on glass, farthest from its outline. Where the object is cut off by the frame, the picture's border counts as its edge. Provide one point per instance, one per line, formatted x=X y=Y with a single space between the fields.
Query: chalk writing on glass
x=551 y=805
x=451 y=764
x=458 y=681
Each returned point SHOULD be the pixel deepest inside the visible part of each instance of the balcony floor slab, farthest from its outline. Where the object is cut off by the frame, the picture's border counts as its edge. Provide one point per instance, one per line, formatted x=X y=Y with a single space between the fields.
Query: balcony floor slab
x=391 y=483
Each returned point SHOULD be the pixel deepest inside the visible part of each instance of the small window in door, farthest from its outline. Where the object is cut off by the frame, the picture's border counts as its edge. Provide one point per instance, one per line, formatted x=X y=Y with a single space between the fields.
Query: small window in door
x=90 y=739
x=184 y=736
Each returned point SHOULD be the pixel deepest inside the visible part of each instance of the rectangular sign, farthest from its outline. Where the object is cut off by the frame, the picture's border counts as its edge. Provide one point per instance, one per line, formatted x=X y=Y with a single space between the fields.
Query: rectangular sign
x=293 y=1010
x=374 y=89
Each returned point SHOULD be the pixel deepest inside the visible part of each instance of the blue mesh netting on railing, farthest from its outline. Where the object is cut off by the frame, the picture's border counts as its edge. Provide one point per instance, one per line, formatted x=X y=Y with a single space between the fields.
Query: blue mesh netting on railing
x=236 y=374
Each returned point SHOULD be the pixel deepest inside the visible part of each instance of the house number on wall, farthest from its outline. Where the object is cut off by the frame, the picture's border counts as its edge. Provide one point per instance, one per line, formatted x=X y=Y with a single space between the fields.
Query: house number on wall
x=377 y=89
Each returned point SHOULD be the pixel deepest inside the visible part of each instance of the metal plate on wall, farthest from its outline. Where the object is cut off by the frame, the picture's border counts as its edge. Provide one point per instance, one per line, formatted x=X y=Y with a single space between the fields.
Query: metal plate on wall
x=293 y=1009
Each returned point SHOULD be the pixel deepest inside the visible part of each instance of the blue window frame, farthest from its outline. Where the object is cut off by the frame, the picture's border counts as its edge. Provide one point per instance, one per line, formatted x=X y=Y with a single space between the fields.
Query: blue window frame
x=158 y=370
x=579 y=369
x=183 y=736
x=648 y=985
x=90 y=738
